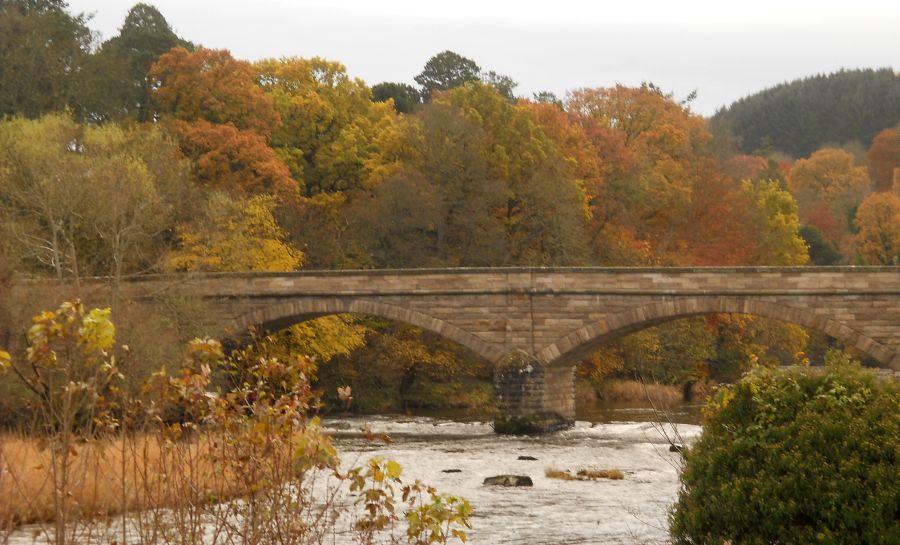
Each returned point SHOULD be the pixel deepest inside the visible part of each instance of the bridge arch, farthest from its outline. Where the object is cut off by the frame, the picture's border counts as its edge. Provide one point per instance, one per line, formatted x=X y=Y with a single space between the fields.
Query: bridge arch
x=570 y=348
x=279 y=316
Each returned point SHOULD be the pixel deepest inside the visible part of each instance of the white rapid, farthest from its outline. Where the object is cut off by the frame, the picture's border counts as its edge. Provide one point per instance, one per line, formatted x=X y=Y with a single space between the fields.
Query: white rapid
x=632 y=510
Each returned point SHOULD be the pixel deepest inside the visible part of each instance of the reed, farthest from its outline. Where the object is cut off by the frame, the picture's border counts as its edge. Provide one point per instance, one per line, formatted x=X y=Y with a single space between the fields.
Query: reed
x=109 y=476
x=632 y=390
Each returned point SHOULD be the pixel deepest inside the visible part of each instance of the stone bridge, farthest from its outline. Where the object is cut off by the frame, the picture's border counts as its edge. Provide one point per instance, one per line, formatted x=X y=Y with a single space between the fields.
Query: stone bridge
x=536 y=324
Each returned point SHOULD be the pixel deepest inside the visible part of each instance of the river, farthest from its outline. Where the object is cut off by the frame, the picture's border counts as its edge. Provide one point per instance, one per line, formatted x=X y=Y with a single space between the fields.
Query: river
x=628 y=511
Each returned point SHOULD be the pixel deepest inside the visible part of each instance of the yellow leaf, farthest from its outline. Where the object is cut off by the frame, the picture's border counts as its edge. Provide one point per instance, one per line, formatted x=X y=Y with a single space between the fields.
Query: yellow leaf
x=97 y=330
x=393 y=469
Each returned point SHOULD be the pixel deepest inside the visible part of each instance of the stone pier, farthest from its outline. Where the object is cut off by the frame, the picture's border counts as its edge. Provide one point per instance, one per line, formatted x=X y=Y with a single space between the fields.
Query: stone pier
x=533 y=398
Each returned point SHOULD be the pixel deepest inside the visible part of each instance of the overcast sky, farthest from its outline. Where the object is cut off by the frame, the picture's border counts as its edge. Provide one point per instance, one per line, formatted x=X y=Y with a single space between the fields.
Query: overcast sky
x=723 y=49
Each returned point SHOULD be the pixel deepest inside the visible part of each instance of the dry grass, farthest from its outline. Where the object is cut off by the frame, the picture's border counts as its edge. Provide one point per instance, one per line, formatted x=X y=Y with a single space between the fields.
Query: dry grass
x=632 y=390
x=107 y=477
x=563 y=475
x=594 y=474
x=584 y=474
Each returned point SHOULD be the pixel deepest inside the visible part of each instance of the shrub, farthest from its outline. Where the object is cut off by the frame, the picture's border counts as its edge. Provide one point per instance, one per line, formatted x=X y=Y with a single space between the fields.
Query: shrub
x=795 y=457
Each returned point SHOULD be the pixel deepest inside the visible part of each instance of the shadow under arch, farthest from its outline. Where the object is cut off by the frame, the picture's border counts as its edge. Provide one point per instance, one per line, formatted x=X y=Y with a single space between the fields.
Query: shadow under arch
x=569 y=349
x=275 y=317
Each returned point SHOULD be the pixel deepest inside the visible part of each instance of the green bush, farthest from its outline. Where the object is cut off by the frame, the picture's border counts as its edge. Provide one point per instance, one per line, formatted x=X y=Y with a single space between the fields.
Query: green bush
x=795 y=457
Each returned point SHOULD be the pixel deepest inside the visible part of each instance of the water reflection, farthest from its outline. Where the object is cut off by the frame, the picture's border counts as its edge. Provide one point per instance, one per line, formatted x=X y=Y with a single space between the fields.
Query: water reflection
x=631 y=411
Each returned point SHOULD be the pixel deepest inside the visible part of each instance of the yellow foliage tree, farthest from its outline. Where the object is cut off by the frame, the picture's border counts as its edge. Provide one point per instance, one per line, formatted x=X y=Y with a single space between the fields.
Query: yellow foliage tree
x=328 y=125
x=243 y=235
x=235 y=235
x=777 y=224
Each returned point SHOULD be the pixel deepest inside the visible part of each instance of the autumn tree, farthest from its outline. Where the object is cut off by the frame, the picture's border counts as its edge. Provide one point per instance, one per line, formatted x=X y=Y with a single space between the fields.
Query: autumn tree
x=329 y=122
x=242 y=235
x=90 y=200
x=234 y=235
x=544 y=212
x=828 y=187
x=439 y=151
x=223 y=120
x=399 y=222
x=237 y=161
x=884 y=158
x=582 y=159
x=43 y=208
x=470 y=231
x=878 y=229
x=775 y=223
x=210 y=85
x=323 y=228
x=665 y=198
x=136 y=207
x=830 y=174
x=744 y=167
x=656 y=162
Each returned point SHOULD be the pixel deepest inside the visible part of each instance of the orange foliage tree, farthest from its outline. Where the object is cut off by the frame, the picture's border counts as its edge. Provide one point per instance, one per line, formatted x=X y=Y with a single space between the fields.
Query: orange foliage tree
x=884 y=158
x=662 y=200
x=232 y=160
x=222 y=119
x=582 y=159
x=878 y=224
x=743 y=167
x=210 y=84
x=828 y=187
x=830 y=174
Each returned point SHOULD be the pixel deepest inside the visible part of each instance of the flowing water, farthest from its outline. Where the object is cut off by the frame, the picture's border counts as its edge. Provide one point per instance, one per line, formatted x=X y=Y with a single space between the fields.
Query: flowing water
x=632 y=510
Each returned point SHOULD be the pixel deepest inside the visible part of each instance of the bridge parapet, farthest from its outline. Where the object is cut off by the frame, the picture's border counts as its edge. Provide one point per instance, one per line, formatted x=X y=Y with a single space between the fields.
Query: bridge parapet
x=711 y=280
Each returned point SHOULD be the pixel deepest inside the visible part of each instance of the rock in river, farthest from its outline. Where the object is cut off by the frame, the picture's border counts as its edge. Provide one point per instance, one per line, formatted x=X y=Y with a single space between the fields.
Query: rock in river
x=509 y=480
